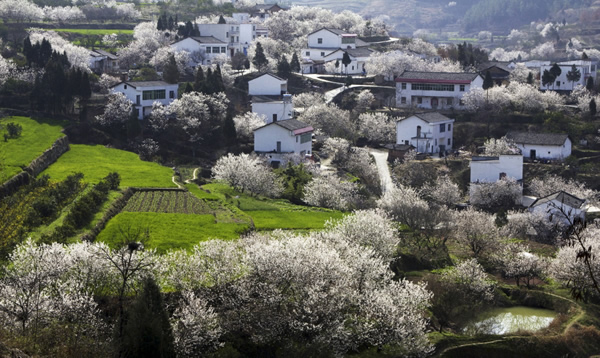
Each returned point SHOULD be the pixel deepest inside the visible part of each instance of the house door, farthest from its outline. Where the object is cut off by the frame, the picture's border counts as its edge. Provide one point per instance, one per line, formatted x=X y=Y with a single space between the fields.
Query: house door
x=442 y=149
x=137 y=99
x=278 y=147
x=532 y=154
x=434 y=103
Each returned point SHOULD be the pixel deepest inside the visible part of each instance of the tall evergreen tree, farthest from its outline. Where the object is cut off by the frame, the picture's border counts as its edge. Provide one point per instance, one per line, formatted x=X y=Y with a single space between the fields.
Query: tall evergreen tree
x=547 y=78
x=260 y=61
x=346 y=61
x=295 y=63
x=147 y=330
x=284 y=68
x=159 y=24
x=222 y=20
x=593 y=108
x=555 y=71
x=488 y=82
x=171 y=72
x=589 y=85
x=229 y=132
x=584 y=56
x=199 y=79
x=574 y=75
x=530 y=78
x=27 y=50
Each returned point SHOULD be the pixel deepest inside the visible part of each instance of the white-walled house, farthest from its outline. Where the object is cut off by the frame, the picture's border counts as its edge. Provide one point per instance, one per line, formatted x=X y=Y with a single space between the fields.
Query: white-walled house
x=144 y=93
x=561 y=206
x=203 y=48
x=358 y=59
x=547 y=146
x=103 y=61
x=281 y=138
x=492 y=169
x=270 y=98
x=434 y=90
x=587 y=68
x=267 y=84
x=427 y=132
x=328 y=45
x=237 y=36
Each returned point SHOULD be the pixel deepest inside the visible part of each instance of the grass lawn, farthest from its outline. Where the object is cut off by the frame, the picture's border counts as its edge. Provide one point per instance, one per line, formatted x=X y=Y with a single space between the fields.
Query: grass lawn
x=36 y=137
x=95 y=31
x=294 y=220
x=95 y=162
x=170 y=231
x=271 y=214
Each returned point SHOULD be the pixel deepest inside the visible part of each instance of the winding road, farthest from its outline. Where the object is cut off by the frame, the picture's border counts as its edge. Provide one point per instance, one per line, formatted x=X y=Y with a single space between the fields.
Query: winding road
x=383 y=169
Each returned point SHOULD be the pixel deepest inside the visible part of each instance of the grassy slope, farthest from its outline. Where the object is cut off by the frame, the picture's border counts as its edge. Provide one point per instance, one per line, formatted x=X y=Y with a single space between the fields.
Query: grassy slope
x=268 y=214
x=95 y=31
x=170 y=231
x=37 y=136
x=95 y=162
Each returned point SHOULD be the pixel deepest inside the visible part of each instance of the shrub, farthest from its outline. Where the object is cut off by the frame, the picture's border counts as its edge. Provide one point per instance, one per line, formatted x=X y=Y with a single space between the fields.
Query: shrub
x=14 y=130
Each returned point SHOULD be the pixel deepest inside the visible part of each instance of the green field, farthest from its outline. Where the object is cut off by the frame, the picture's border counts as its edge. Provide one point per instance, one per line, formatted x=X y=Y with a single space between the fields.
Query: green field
x=100 y=32
x=36 y=137
x=169 y=231
x=169 y=202
x=270 y=214
x=95 y=162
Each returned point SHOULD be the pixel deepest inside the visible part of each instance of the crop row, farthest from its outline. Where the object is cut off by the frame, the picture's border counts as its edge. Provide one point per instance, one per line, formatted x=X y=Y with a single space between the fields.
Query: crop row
x=173 y=202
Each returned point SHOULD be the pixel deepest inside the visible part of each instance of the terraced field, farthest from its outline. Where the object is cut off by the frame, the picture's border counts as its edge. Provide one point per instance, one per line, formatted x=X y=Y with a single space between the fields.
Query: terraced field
x=171 y=202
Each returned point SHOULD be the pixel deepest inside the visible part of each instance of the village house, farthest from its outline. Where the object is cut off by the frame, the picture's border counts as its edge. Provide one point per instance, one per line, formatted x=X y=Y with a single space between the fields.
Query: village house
x=587 y=68
x=560 y=206
x=103 y=62
x=203 y=49
x=144 y=93
x=279 y=139
x=427 y=132
x=264 y=11
x=545 y=146
x=328 y=45
x=434 y=90
x=491 y=169
x=499 y=71
x=238 y=35
x=270 y=97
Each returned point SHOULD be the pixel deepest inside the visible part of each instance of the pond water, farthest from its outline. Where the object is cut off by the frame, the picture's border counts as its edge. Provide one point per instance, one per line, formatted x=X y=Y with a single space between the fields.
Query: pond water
x=509 y=320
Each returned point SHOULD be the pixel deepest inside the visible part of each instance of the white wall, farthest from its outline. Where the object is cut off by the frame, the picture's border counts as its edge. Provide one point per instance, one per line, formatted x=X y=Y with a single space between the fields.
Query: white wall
x=561 y=82
x=266 y=85
x=407 y=129
x=191 y=45
x=132 y=94
x=554 y=208
x=488 y=171
x=427 y=96
x=266 y=138
x=329 y=39
x=283 y=111
x=547 y=151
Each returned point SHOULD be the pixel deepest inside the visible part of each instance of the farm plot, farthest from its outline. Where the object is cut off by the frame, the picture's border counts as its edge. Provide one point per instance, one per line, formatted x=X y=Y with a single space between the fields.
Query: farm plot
x=171 y=202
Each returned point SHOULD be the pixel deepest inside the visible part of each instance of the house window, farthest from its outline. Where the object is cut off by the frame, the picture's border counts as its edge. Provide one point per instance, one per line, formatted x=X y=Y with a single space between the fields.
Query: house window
x=403 y=85
x=232 y=38
x=352 y=67
x=307 y=53
x=216 y=49
x=431 y=87
x=449 y=141
x=449 y=127
x=306 y=137
x=274 y=117
x=462 y=88
x=223 y=49
x=442 y=127
x=323 y=54
x=208 y=50
x=348 y=40
x=557 y=83
x=419 y=100
x=153 y=94
x=502 y=175
x=403 y=100
x=124 y=86
x=449 y=101
x=319 y=40
x=171 y=94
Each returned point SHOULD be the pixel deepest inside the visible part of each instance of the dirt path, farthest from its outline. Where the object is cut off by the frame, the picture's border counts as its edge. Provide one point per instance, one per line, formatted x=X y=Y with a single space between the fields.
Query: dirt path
x=383 y=169
x=194 y=176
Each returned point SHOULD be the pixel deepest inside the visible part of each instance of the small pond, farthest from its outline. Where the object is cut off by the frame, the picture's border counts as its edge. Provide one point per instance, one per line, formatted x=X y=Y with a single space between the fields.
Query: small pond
x=509 y=320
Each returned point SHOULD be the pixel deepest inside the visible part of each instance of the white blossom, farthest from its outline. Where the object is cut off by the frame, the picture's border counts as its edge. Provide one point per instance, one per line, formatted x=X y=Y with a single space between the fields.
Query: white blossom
x=475 y=230
x=247 y=173
x=329 y=191
x=117 y=110
x=246 y=123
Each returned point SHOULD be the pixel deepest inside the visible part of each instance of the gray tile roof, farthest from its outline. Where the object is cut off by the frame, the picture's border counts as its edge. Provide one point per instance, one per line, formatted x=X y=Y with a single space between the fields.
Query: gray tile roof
x=443 y=76
x=207 y=40
x=291 y=124
x=537 y=138
x=136 y=84
x=431 y=117
x=500 y=64
x=266 y=98
x=107 y=54
x=359 y=52
x=563 y=198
